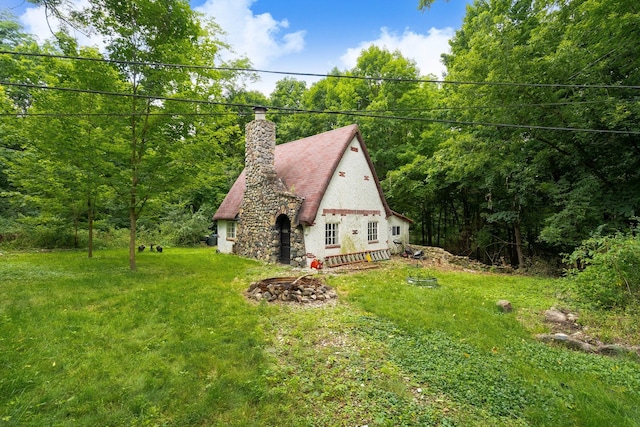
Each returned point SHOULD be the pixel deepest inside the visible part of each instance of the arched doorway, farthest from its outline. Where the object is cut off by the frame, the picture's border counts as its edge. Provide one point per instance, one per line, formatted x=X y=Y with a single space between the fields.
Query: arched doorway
x=283 y=225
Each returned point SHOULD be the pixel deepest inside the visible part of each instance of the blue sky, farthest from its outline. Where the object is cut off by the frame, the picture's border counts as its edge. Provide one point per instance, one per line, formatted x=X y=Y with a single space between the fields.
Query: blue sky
x=312 y=36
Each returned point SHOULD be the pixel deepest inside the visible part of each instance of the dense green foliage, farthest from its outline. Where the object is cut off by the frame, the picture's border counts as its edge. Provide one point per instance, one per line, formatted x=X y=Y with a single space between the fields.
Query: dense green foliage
x=528 y=146
x=98 y=145
x=606 y=272
x=539 y=186
x=87 y=341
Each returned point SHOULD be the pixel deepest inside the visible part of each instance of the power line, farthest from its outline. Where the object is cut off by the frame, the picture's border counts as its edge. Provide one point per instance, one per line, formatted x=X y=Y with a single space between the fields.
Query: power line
x=320 y=75
x=287 y=109
x=227 y=113
x=128 y=95
x=331 y=112
x=499 y=107
x=300 y=111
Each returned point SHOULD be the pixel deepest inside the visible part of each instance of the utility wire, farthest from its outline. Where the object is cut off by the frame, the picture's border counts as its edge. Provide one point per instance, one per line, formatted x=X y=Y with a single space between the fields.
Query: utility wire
x=128 y=95
x=497 y=107
x=368 y=111
x=418 y=119
x=286 y=109
x=227 y=113
x=332 y=112
x=337 y=76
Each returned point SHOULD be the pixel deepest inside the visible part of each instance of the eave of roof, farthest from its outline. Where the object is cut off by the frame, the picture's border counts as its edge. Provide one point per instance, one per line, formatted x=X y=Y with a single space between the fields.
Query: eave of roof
x=402 y=217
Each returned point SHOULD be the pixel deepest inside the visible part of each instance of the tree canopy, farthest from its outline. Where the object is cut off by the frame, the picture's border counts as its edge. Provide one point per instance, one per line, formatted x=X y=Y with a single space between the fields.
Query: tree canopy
x=559 y=71
x=528 y=147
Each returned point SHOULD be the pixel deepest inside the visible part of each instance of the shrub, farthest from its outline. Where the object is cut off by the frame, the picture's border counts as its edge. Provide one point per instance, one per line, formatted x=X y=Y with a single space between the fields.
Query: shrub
x=184 y=227
x=606 y=270
x=10 y=230
x=47 y=232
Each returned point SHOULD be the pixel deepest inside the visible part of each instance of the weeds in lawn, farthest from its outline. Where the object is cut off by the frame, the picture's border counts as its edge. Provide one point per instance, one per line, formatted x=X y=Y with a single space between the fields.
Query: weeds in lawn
x=337 y=375
x=87 y=342
x=453 y=339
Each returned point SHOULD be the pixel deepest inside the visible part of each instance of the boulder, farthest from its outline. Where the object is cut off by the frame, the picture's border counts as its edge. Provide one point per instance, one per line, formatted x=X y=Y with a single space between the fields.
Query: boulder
x=555 y=316
x=504 y=306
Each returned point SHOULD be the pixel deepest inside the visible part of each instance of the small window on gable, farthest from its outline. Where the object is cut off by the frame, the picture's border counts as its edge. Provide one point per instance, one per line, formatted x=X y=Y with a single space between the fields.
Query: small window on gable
x=372 y=232
x=395 y=230
x=231 y=230
x=331 y=234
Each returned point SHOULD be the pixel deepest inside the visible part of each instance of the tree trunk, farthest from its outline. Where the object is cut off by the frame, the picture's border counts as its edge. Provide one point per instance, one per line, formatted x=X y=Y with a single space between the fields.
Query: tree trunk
x=423 y=225
x=429 y=227
x=133 y=190
x=518 y=238
x=132 y=232
x=75 y=231
x=90 y=225
x=132 y=200
x=439 y=222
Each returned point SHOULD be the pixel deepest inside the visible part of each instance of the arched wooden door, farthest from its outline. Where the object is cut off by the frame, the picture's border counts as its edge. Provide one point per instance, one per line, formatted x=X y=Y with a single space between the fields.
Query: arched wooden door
x=283 y=224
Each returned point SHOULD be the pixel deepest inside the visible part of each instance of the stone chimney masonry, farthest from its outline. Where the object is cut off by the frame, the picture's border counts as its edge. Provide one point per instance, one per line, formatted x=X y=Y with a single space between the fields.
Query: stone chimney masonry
x=259 y=158
x=267 y=218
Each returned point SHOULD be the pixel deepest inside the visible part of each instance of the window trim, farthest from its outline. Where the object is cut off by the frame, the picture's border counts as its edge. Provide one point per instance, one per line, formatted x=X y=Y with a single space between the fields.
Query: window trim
x=331 y=235
x=372 y=232
x=231 y=230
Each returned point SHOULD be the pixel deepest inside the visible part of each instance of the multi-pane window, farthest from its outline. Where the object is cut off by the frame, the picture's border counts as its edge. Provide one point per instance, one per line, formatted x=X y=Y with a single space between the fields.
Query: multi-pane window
x=372 y=232
x=231 y=230
x=331 y=234
x=395 y=230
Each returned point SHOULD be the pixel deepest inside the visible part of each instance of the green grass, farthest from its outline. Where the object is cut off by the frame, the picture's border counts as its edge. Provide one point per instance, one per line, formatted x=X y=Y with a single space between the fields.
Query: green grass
x=87 y=342
x=455 y=340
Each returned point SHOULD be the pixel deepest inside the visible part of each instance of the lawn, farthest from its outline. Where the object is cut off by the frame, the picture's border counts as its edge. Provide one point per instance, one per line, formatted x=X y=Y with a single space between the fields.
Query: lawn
x=87 y=342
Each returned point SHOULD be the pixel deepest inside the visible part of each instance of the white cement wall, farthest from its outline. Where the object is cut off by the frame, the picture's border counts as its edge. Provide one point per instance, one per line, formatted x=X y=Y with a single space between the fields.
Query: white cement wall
x=402 y=237
x=224 y=245
x=348 y=191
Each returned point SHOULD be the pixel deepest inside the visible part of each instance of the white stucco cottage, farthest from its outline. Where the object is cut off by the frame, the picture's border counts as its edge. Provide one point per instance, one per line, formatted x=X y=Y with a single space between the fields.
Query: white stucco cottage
x=314 y=198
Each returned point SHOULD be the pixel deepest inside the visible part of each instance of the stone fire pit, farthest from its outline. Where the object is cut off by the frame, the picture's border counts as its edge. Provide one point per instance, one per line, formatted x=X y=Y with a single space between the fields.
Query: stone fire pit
x=303 y=290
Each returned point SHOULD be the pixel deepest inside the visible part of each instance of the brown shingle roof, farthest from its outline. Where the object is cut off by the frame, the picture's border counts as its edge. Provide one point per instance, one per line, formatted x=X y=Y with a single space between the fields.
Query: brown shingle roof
x=306 y=167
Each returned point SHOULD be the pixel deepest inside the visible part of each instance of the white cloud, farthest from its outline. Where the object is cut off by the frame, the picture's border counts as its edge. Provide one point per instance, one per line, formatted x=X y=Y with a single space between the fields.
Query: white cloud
x=36 y=22
x=425 y=49
x=261 y=38
x=256 y=36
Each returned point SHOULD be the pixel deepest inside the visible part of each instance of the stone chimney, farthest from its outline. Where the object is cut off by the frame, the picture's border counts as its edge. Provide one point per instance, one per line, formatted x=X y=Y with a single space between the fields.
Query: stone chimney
x=259 y=159
x=266 y=202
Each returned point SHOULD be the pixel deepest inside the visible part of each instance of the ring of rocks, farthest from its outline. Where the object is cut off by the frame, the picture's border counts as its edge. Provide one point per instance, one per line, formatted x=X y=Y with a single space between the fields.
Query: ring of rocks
x=303 y=290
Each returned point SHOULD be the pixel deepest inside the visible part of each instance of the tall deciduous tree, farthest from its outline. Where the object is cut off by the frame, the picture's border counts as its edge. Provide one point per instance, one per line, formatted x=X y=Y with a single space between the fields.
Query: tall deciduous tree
x=550 y=66
x=366 y=96
x=288 y=95
x=16 y=100
x=11 y=37
x=73 y=136
x=142 y=35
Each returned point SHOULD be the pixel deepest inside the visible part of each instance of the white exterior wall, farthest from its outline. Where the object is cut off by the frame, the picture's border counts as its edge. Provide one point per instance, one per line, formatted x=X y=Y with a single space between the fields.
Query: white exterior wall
x=349 y=190
x=224 y=245
x=402 y=237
